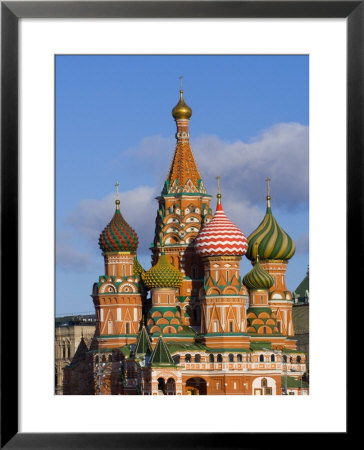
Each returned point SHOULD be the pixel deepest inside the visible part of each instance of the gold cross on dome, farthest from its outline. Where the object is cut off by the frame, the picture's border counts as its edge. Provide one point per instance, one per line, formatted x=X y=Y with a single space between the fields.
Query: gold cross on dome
x=268 y=180
x=181 y=78
x=117 y=190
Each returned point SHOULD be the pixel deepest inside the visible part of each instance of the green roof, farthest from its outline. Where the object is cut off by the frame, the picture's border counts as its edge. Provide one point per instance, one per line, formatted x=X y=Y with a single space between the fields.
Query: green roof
x=185 y=346
x=304 y=286
x=187 y=331
x=293 y=382
x=288 y=350
x=125 y=350
x=143 y=346
x=300 y=317
x=163 y=309
x=226 y=350
x=260 y=345
x=161 y=355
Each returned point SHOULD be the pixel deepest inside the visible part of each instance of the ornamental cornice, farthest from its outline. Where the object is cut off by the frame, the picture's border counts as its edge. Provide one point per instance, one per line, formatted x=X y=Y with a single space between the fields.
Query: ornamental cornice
x=118 y=253
x=220 y=258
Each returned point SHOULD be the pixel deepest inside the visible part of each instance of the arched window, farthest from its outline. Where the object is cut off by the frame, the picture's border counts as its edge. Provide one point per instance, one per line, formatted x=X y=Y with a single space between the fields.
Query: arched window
x=264 y=330
x=197 y=358
x=298 y=360
x=231 y=357
x=239 y=358
x=188 y=358
x=219 y=358
x=284 y=358
x=161 y=385
x=176 y=359
x=110 y=358
x=272 y=358
x=127 y=328
x=211 y=358
x=261 y=358
x=264 y=382
x=97 y=360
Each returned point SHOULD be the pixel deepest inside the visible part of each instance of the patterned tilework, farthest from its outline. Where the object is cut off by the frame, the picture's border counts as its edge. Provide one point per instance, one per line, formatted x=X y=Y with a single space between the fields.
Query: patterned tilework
x=221 y=237
x=118 y=236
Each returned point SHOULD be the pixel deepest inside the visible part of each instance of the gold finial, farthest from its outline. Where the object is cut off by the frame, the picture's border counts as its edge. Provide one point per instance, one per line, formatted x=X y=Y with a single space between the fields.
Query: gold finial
x=181 y=110
x=218 y=190
x=268 y=180
x=117 y=201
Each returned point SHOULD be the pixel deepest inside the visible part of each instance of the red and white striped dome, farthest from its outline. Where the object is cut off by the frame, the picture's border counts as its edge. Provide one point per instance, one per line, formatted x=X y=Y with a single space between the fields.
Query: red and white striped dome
x=221 y=237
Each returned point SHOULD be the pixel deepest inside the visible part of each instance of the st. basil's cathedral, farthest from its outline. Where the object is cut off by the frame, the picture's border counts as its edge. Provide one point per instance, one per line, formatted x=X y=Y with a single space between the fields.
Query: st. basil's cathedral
x=191 y=325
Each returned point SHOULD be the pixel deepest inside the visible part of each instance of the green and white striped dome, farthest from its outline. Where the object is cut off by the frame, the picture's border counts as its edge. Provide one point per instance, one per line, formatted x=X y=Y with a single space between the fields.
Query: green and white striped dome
x=269 y=240
x=258 y=278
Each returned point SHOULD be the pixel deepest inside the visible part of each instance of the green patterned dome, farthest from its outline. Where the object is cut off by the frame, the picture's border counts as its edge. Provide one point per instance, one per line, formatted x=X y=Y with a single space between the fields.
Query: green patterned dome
x=269 y=240
x=258 y=278
x=163 y=274
x=138 y=269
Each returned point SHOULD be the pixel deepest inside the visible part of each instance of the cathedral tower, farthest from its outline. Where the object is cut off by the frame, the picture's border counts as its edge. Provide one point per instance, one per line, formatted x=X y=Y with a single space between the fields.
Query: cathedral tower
x=223 y=298
x=119 y=293
x=184 y=207
x=164 y=317
x=274 y=247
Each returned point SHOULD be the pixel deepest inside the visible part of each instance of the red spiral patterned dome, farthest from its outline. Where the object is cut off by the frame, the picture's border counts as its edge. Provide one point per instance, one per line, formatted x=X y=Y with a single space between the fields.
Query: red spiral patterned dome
x=118 y=236
x=221 y=237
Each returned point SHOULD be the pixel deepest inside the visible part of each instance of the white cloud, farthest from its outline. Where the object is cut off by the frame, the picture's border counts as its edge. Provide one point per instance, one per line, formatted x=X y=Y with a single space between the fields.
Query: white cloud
x=280 y=152
x=69 y=258
x=137 y=206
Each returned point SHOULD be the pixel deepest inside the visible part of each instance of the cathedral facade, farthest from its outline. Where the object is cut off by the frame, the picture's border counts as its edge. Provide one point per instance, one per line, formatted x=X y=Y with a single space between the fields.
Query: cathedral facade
x=191 y=325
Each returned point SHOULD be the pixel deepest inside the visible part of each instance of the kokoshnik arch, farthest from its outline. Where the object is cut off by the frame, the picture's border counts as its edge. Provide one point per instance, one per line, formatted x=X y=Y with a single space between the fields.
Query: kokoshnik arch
x=191 y=324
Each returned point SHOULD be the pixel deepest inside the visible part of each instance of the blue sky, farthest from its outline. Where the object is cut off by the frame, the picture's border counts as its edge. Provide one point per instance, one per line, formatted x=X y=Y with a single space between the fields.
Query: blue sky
x=113 y=123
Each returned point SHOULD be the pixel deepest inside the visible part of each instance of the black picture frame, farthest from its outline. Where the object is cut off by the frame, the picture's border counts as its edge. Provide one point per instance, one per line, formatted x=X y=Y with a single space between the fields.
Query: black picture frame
x=11 y=12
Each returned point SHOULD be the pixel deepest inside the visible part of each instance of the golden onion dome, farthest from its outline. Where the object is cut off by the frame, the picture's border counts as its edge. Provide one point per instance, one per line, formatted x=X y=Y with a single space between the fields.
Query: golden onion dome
x=181 y=110
x=162 y=275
